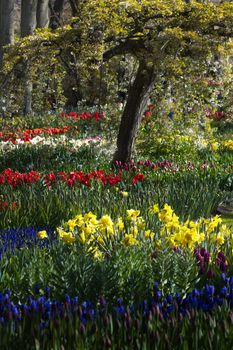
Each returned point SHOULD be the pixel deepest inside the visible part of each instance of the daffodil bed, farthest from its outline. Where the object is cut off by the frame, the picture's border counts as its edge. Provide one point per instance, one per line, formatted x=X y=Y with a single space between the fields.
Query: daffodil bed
x=100 y=235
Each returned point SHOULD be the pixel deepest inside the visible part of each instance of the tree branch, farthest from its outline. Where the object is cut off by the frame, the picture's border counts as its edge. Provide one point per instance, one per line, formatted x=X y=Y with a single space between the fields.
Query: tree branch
x=128 y=46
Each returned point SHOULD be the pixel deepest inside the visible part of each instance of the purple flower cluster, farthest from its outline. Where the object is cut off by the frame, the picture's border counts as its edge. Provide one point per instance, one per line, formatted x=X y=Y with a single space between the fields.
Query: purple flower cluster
x=132 y=166
x=203 y=258
x=46 y=310
x=166 y=165
x=222 y=261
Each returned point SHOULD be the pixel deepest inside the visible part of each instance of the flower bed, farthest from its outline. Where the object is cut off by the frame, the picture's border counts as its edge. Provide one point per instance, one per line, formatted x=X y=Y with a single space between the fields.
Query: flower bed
x=82 y=242
x=161 y=322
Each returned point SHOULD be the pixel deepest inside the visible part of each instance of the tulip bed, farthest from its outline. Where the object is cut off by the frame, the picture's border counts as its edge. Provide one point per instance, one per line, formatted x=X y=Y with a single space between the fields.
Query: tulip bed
x=96 y=256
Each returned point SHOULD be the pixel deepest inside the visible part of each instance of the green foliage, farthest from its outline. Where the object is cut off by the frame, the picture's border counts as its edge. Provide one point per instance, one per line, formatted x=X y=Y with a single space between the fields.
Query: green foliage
x=129 y=272
x=181 y=265
x=42 y=157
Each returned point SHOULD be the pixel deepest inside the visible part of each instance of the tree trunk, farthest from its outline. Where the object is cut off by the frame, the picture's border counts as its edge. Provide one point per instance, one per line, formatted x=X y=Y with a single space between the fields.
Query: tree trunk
x=28 y=25
x=42 y=15
x=71 y=81
x=56 y=11
x=136 y=104
x=74 y=4
x=28 y=17
x=7 y=16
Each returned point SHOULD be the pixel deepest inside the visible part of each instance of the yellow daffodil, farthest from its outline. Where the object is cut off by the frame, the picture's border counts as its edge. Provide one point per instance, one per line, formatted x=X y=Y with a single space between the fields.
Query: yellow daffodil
x=228 y=144
x=71 y=225
x=88 y=230
x=193 y=224
x=93 y=221
x=134 y=230
x=133 y=214
x=82 y=237
x=87 y=217
x=158 y=243
x=165 y=214
x=61 y=232
x=214 y=146
x=200 y=237
x=120 y=224
x=173 y=224
x=212 y=224
x=79 y=220
x=220 y=239
x=129 y=240
x=225 y=230
x=68 y=238
x=42 y=235
x=106 y=224
x=154 y=209
x=106 y=221
x=98 y=254
x=96 y=234
x=140 y=223
x=149 y=234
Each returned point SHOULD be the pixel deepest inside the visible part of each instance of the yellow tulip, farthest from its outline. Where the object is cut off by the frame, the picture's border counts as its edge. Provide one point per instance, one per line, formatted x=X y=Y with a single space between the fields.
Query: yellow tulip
x=124 y=194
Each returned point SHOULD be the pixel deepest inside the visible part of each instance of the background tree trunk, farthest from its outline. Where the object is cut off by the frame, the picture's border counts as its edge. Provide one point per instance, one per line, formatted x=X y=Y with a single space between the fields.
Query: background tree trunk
x=56 y=11
x=74 y=7
x=7 y=17
x=42 y=15
x=28 y=17
x=71 y=81
x=136 y=104
x=28 y=25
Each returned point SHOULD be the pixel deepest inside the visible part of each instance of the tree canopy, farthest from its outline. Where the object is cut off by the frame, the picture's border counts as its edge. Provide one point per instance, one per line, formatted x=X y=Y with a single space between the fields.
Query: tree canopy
x=106 y=28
